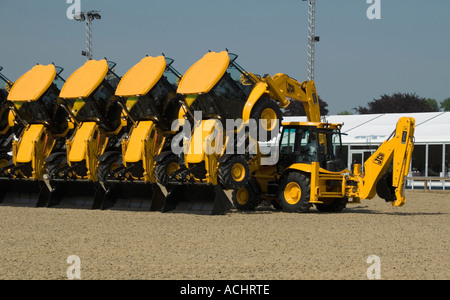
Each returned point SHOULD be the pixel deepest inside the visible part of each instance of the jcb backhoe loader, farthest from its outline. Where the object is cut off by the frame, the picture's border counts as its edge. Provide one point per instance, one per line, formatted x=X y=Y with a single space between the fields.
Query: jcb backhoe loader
x=33 y=101
x=310 y=170
x=220 y=90
x=148 y=98
x=88 y=97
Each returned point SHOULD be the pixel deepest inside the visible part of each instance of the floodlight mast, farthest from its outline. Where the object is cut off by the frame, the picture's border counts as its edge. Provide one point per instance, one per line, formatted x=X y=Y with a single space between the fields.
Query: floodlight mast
x=312 y=38
x=88 y=17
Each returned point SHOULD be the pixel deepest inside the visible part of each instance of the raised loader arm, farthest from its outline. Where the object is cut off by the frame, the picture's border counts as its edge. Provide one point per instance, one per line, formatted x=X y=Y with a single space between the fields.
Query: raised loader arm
x=378 y=177
x=281 y=87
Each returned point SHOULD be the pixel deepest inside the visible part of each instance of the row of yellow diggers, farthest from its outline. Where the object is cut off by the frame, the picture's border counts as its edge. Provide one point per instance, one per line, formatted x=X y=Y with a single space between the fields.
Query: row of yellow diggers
x=156 y=140
x=102 y=141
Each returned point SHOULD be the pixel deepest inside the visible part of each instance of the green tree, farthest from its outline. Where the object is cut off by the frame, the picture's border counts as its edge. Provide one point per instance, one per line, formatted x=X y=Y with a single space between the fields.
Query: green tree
x=445 y=104
x=397 y=103
x=433 y=103
x=296 y=108
x=345 y=112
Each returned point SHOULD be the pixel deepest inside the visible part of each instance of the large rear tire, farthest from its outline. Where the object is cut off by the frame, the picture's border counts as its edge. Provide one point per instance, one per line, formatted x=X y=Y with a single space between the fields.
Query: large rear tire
x=295 y=193
x=267 y=114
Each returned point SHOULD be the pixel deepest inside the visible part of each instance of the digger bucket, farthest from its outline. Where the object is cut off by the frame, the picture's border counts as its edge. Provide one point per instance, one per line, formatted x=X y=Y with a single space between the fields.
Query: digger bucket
x=206 y=199
x=75 y=194
x=23 y=192
x=138 y=196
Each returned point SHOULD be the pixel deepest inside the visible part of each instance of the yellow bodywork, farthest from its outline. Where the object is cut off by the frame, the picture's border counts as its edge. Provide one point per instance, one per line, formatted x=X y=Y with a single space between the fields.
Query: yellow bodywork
x=87 y=144
x=34 y=146
x=204 y=145
x=202 y=76
x=33 y=84
x=85 y=80
x=141 y=78
x=144 y=144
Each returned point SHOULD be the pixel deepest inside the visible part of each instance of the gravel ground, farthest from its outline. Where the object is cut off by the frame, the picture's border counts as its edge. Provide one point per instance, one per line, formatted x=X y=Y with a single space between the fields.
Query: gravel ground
x=411 y=242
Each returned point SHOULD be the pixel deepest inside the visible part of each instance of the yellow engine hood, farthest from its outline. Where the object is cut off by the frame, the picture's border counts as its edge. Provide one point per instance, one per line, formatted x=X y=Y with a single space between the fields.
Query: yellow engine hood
x=141 y=78
x=85 y=80
x=33 y=84
x=204 y=74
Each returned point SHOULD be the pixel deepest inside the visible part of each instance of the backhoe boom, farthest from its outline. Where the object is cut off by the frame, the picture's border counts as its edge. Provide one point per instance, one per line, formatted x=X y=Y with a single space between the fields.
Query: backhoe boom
x=378 y=177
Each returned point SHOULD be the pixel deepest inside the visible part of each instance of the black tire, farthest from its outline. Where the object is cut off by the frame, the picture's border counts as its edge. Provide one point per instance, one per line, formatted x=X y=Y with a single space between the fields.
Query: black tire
x=335 y=205
x=247 y=197
x=165 y=167
x=234 y=173
x=258 y=113
x=295 y=193
x=54 y=165
x=105 y=167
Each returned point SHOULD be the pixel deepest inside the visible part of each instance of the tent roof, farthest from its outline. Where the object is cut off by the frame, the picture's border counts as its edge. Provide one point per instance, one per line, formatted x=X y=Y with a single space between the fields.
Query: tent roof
x=373 y=129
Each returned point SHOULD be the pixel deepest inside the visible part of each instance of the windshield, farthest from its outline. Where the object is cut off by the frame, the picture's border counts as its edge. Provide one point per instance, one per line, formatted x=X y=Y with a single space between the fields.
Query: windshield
x=227 y=98
x=171 y=74
x=99 y=107
x=5 y=86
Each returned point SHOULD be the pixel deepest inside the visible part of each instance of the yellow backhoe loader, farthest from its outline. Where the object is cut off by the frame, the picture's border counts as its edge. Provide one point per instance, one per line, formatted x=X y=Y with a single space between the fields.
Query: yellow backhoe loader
x=310 y=170
x=216 y=90
x=88 y=98
x=148 y=98
x=33 y=101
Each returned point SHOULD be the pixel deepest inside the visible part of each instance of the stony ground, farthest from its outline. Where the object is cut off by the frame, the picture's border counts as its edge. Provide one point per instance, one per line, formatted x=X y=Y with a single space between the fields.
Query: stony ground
x=411 y=242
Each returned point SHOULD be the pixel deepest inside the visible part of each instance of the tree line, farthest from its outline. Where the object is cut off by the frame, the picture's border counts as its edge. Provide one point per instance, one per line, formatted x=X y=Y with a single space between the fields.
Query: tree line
x=395 y=103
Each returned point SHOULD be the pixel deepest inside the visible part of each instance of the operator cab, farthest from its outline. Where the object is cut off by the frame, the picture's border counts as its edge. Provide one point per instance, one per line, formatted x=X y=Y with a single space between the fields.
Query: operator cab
x=217 y=86
x=35 y=98
x=157 y=104
x=306 y=144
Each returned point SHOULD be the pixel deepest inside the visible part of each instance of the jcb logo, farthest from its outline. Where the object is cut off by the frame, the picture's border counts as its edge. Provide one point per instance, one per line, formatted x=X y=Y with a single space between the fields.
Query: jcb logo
x=290 y=89
x=379 y=159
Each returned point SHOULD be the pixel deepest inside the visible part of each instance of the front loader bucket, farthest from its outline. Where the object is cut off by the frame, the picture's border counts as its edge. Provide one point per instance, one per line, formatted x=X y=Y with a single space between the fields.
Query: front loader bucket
x=75 y=194
x=22 y=192
x=133 y=196
x=206 y=199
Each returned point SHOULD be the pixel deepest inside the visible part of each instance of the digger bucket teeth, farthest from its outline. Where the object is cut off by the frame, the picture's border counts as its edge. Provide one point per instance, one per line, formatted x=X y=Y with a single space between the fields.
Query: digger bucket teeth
x=205 y=199
x=133 y=196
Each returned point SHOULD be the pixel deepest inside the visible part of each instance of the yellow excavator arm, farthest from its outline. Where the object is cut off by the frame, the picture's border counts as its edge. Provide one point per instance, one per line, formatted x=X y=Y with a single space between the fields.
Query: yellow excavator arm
x=281 y=87
x=378 y=177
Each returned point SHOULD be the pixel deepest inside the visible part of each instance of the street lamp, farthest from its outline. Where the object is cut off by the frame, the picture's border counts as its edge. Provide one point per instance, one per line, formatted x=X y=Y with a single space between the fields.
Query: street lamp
x=88 y=17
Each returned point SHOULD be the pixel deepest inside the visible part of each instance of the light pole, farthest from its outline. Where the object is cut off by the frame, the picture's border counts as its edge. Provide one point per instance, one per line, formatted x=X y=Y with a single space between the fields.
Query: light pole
x=312 y=38
x=88 y=17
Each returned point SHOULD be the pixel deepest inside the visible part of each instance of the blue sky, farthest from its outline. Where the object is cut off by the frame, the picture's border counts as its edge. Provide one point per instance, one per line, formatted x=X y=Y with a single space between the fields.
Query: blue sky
x=357 y=59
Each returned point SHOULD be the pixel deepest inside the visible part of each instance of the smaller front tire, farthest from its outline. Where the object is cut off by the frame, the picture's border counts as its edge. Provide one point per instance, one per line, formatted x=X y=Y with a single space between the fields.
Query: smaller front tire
x=234 y=173
x=246 y=198
x=165 y=168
